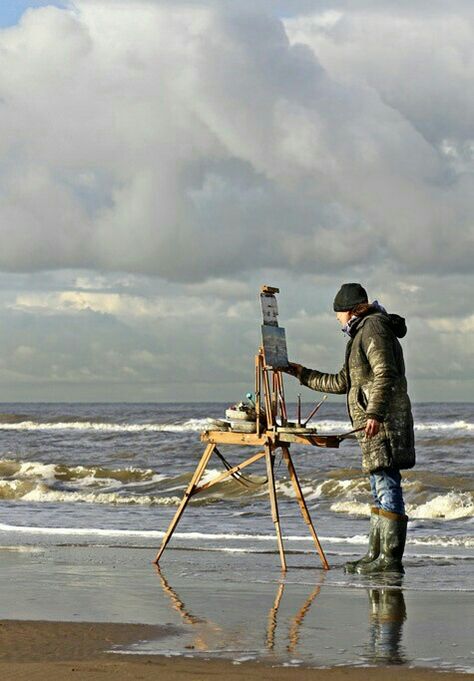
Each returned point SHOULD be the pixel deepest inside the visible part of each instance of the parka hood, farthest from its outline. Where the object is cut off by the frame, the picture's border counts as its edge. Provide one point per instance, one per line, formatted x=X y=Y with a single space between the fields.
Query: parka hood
x=397 y=324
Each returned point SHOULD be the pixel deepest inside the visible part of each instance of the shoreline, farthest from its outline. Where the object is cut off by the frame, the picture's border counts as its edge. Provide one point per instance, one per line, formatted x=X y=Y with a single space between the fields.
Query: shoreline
x=41 y=650
x=212 y=606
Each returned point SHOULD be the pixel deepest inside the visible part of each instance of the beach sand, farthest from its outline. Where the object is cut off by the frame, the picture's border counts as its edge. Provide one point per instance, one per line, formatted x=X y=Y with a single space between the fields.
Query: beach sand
x=45 y=651
x=94 y=612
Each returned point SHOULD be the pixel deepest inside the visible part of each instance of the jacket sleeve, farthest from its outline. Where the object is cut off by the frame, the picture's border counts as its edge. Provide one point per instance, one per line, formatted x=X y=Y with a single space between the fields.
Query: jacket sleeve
x=324 y=383
x=378 y=345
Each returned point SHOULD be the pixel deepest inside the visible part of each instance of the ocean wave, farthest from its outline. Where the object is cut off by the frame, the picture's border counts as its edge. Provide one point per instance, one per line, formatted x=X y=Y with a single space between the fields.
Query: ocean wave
x=453 y=505
x=428 y=495
x=41 y=493
x=326 y=489
x=462 y=541
x=51 y=472
x=466 y=541
x=450 y=506
x=128 y=477
x=158 y=534
x=445 y=425
x=200 y=425
x=34 y=481
x=351 y=507
x=191 y=425
x=351 y=490
x=430 y=426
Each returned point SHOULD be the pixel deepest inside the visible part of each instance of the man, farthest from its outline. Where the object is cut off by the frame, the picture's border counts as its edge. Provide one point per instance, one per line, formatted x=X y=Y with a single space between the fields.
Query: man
x=373 y=378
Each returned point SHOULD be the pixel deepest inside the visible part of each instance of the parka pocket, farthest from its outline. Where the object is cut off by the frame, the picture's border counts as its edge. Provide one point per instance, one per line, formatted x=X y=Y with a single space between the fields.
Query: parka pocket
x=361 y=399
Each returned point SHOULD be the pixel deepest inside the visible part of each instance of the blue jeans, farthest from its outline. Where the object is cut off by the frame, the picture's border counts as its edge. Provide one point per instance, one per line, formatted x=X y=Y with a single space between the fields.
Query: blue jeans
x=387 y=490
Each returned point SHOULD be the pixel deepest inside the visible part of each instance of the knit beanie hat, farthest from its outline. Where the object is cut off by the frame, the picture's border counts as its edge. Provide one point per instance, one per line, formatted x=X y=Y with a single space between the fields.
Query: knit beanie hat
x=348 y=296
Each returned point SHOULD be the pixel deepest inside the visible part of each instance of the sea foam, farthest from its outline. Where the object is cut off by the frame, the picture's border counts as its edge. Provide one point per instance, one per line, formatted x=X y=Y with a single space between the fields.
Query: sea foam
x=191 y=425
x=461 y=541
x=202 y=424
x=450 y=506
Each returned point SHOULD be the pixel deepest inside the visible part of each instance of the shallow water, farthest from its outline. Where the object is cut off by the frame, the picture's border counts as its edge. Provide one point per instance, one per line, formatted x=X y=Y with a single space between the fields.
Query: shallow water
x=240 y=607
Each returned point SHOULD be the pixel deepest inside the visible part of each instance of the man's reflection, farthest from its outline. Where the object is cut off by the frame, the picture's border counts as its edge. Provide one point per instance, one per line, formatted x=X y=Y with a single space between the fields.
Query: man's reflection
x=387 y=615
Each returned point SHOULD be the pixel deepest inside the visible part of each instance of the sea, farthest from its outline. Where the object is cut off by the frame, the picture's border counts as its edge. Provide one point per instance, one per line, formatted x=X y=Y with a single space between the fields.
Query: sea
x=114 y=473
x=87 y=492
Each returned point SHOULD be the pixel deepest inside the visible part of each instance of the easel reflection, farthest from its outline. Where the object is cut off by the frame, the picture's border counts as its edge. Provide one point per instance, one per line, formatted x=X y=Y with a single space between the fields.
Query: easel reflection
x=206 y=630
x=296 y=621
x=203 y=626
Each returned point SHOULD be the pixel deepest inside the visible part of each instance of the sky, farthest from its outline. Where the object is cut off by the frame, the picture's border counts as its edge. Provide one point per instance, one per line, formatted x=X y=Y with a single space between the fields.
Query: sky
x=11 y=11
x=161 y=160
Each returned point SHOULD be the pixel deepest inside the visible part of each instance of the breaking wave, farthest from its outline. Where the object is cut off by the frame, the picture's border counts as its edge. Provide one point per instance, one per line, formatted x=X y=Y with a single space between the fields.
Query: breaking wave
x=191 y=425
x=462 y=541
x=9 y=422
x=442 y=425
x=428 y=495
x=42 y=493
x=51 y=472
x=451 y=506
x=326 y=489
x=33 y=481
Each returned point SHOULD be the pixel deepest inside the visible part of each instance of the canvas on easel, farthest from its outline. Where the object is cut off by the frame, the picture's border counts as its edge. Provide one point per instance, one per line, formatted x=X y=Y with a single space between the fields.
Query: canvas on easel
x=273 y=336
x=274 y=347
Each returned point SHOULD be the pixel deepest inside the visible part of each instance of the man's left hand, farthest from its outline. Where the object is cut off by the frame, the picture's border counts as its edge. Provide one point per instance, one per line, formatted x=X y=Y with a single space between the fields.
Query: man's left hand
x=293 y=369
x=372 y=428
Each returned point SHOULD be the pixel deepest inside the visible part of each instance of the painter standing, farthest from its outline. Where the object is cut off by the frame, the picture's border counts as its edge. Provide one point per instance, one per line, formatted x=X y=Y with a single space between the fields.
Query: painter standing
x=373 y=379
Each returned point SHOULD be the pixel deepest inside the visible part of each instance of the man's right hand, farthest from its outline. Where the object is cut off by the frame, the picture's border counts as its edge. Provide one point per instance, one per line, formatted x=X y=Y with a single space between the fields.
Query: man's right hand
x=293 y=369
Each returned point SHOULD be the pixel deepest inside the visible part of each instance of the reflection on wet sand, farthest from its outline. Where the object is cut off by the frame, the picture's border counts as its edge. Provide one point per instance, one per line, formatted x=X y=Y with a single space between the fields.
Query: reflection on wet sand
x=272 y=617
x=204 y=629
x=296 y=621
x=383 y=647
x=177 y=603
x=388 y=613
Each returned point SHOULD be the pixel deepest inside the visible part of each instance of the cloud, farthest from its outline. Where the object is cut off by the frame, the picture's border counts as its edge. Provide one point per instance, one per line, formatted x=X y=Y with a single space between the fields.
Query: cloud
x=142 y=338
x=192 y=142
x=162 y=160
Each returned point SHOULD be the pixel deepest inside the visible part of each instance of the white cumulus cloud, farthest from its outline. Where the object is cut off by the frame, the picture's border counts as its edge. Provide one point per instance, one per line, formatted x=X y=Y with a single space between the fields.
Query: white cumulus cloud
x=194 y=141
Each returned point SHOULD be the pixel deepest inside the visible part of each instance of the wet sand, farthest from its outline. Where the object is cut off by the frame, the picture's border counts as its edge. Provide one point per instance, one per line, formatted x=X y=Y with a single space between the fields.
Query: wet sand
x=101 y=612
x=41 y=651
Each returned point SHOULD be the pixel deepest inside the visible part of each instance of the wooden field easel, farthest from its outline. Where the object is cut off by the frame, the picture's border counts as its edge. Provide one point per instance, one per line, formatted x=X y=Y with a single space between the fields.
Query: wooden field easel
x=269 y=436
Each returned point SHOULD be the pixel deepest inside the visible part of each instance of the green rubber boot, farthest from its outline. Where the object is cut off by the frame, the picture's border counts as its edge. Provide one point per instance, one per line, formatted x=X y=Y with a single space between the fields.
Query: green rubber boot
x=374 y=543
x=393 y=533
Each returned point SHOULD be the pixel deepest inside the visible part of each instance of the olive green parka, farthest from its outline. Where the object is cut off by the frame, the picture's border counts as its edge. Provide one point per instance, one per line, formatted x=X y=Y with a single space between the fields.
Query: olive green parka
x=373 y=378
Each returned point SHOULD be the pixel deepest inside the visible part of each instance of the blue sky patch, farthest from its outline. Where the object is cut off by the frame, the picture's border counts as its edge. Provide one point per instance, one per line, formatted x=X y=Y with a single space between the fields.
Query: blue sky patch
x=12 y=10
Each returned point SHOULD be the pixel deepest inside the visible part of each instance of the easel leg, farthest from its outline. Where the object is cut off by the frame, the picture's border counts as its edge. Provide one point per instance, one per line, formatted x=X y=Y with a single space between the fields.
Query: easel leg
x=197 y=475
x=274 y=504
x=302 y=505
